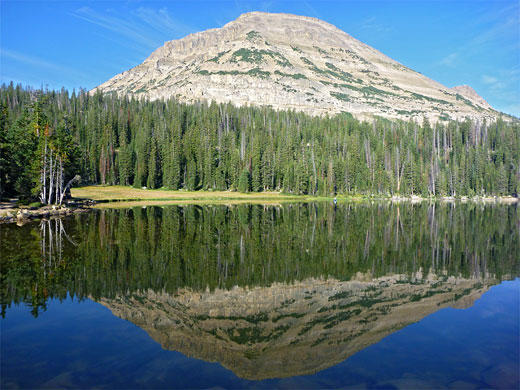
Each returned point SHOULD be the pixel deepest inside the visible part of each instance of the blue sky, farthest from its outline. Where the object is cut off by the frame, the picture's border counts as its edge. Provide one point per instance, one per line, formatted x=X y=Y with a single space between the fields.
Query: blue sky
x=75 y=44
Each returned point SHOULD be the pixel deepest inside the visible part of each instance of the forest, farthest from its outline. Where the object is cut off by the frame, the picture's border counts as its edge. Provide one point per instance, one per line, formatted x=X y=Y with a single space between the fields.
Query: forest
x=51 y=139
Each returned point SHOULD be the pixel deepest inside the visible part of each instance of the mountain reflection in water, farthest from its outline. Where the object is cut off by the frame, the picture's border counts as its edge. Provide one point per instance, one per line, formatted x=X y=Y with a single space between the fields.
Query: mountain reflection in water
x=291 y=329
x=267 y=291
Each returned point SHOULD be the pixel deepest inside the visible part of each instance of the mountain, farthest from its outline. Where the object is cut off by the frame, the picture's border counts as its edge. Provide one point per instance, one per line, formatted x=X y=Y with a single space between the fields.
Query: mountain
x=293 y=62
x=470 y=93
x=291 y=329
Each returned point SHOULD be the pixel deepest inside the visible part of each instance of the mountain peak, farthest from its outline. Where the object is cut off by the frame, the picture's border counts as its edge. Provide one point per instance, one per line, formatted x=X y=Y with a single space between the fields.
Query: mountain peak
x=293 y=62
x=285 y=17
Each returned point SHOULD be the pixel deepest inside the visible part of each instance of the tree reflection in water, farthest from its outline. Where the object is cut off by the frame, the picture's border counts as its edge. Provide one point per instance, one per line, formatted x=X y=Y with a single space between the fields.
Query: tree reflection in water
x=116 y=253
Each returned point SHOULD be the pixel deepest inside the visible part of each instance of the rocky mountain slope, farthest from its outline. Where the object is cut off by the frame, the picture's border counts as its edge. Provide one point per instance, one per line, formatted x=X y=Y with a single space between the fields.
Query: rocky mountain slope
x=291 y=329
x=293 y=62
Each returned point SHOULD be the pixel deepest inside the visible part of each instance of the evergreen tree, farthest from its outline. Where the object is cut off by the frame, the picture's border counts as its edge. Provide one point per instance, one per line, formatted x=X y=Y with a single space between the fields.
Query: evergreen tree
x=244 y=183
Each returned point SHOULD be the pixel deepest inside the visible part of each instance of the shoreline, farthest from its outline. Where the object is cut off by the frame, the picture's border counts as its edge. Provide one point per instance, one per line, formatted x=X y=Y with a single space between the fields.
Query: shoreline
x=12 y=213
x=88 y=198
x=119 y=194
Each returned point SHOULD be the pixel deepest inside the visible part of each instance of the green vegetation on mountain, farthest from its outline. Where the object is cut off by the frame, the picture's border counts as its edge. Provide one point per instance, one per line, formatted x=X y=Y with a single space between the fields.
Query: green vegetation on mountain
x=251 y=35
x=295 y=76
x=340 y=96
x=219 y=56
x=255 y=72
x=256 y=56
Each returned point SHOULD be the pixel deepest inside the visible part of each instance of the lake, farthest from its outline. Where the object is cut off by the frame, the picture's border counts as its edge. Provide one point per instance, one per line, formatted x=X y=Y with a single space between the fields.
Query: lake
x=303 y=295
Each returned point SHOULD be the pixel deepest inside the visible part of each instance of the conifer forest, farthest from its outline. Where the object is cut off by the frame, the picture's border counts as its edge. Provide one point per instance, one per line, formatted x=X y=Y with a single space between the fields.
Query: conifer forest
x=51 y=139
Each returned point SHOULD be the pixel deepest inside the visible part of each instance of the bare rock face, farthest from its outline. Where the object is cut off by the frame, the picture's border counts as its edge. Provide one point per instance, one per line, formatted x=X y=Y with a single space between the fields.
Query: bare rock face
x=469 y=93
x=293 y=62
x=291 y=329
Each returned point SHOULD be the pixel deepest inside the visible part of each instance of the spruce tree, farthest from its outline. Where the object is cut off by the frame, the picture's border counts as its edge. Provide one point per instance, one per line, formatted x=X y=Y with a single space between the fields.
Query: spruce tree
x=244 y=183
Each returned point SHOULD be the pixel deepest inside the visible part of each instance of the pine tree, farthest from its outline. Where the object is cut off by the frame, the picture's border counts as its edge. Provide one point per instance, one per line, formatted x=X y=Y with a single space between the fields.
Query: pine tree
x=244 y=183
x=154 y=167
x=331 y=179
x=502 y=180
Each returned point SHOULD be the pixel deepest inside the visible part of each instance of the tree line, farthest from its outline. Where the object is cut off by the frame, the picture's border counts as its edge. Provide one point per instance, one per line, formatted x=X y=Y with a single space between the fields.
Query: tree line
x=49 y=137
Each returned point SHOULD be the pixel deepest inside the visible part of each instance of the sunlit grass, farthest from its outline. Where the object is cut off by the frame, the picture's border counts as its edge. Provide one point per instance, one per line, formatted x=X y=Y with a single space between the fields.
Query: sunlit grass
x=130 y=196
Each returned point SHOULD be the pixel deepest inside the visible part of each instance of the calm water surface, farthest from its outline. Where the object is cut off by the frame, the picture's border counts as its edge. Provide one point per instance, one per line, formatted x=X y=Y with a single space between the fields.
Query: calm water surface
x=249 y=296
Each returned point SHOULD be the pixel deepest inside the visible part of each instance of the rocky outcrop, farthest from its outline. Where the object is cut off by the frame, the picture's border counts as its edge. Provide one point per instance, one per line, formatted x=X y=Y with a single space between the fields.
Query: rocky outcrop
x=291 y=329
x=12 y=213
x=469 y=93
x=293 y=62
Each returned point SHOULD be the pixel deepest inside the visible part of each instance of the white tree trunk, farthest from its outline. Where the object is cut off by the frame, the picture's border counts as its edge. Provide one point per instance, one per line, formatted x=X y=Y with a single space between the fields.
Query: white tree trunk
x=51 y=178
x=75 y=178
x=43 y=191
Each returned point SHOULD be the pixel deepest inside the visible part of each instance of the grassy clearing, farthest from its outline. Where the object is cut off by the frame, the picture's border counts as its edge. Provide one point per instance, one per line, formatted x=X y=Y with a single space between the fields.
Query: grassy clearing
x=122 y=196
x=129 y=196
